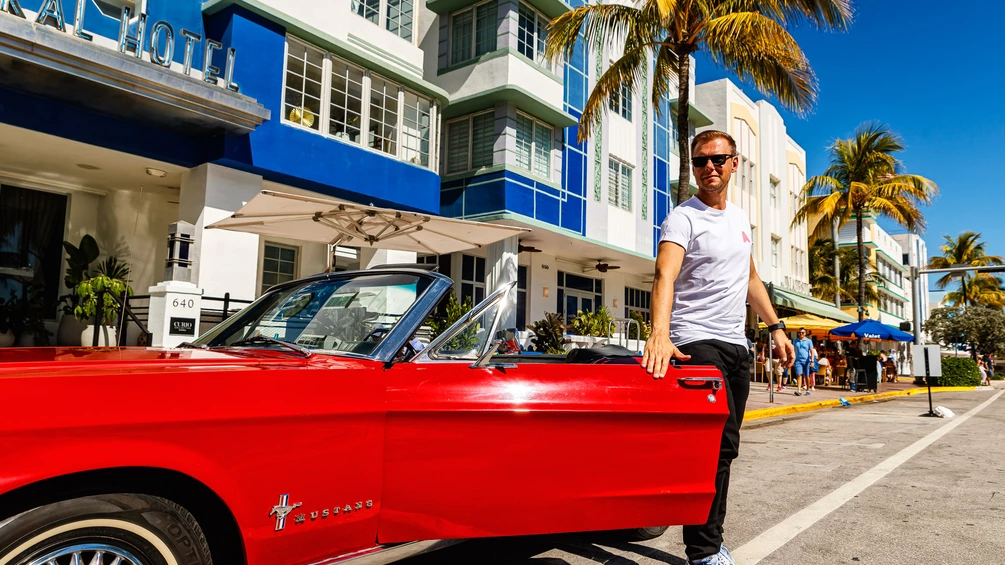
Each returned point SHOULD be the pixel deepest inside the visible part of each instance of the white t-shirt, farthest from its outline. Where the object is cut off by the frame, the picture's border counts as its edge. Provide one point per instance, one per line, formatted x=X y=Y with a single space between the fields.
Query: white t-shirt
x=710 y=292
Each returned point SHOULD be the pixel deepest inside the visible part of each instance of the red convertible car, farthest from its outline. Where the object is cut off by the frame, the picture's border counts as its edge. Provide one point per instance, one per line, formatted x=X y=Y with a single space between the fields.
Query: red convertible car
x=313 y=427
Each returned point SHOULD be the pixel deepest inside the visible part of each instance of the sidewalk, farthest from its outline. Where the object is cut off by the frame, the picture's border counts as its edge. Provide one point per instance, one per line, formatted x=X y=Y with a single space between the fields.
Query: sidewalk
x=786 y=403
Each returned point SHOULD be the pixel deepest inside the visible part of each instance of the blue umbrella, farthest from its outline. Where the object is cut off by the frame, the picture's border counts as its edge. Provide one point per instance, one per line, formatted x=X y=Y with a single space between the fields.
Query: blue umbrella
x=872 y=329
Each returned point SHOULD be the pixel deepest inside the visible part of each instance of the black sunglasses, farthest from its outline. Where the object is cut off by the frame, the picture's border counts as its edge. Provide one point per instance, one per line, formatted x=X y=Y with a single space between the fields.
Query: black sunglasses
x=717 y=160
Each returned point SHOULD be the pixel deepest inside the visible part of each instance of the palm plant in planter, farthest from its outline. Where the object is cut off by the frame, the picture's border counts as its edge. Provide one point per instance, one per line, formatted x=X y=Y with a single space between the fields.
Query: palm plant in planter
x=99 y=292
x=78 y=259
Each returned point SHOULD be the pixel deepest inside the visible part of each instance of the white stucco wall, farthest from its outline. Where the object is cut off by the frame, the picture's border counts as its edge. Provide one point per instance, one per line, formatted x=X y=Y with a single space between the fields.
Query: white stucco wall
x=132 y=225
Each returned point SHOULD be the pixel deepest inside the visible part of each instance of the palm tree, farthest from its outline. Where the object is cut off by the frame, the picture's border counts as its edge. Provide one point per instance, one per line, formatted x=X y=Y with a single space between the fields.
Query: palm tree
x=747 y=37
x=825 y=286
x=865 y=176
x=983 y=290
x=966 y=250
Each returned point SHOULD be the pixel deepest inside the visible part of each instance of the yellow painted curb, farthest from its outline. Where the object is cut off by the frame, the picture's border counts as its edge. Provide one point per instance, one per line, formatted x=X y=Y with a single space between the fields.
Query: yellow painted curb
x=774 y=412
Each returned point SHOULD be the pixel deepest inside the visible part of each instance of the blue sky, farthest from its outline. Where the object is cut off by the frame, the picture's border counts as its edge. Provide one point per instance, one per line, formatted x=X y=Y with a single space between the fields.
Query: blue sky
x=936 y=79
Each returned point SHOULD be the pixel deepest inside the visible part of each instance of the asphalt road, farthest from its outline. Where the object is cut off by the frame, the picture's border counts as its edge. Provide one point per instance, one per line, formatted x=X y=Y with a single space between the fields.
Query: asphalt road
x=871 y=483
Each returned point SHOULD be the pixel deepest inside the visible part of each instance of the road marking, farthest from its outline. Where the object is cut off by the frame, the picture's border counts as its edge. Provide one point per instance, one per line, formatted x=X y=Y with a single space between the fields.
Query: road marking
x=765 y=544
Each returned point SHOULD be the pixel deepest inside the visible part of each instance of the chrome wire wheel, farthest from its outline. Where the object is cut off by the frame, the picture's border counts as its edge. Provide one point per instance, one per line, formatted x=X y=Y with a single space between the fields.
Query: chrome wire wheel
x=87 y=554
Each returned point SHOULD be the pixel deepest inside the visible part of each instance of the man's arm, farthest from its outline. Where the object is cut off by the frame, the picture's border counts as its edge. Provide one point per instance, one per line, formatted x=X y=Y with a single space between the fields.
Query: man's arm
x=659 y=349
x=760 y=303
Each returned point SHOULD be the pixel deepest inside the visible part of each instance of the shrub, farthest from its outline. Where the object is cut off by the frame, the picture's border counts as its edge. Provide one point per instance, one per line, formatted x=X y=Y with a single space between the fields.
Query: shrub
x=643 y=326
x=452 y=312
x=595 y=324
x=548 y=334
x=959 y=371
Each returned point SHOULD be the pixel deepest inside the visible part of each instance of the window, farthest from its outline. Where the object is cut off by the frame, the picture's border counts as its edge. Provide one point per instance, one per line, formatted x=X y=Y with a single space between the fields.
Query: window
x=470 y=142
x=531 y=34
x=31 y=249
x=533 y=145
x=369 y=9
x=358 y=105
x=279 y=265
x=621 y=102
x=472 y=279
x=637 y=300
x=776 y=244
x=774 y=195
x=383 y=115
x=416 y=127
x=521 y=298
x=397 y=16
x=577 y=293
x=304 y=72
x=619 y=184
x=473 y=32
x=346 y=111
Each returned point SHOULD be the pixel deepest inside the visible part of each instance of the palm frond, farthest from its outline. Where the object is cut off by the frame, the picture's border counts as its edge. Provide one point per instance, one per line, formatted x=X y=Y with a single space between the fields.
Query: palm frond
x=760 y=50
x=665 y=77
x=603 y=23
x=627 y=70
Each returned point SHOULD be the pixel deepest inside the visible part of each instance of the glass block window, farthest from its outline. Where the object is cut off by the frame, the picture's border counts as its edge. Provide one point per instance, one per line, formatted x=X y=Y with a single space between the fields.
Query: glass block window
x=302 y=98
x=470 y=142
x=279 y=265
x=533 y=145
x=345 y=113
x=399 y=18
x=383 y=115
x=416 y=130
x=619 y=184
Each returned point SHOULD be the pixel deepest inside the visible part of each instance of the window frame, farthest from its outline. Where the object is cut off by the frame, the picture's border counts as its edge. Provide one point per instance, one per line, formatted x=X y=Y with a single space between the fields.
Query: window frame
x=474 y=31
x=621 y=102
x=297 y=255
x=382 y=17
x=470 y=158
x=535 y=124
x=324 y=117
x=619 y=200
x=540 y=25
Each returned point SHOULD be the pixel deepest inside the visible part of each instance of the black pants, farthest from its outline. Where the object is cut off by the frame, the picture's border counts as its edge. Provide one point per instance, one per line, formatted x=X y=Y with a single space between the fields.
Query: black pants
x=733 y=361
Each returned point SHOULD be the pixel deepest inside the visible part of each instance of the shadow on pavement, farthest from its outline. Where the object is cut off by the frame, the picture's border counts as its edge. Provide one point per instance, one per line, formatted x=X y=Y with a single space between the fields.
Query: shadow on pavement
x=528 y=550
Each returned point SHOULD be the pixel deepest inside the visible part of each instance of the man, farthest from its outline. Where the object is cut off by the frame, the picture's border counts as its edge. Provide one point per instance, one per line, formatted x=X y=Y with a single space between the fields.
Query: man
x=704 y=275
x=804 y=362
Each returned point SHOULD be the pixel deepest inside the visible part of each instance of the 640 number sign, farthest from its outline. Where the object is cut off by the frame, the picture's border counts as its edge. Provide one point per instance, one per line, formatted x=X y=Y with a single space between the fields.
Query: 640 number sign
x=183 y=303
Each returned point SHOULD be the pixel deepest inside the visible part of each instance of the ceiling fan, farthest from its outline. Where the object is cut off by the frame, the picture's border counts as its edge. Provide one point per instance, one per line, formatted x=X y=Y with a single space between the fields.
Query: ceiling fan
x=527 y=249
x=601 y=267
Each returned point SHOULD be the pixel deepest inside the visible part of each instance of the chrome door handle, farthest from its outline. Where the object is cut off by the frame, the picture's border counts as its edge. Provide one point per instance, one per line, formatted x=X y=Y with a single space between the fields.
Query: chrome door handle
x=716 y=381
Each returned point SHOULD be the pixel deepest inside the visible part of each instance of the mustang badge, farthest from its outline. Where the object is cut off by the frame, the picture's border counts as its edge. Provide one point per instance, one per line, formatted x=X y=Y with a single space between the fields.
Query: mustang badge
x=282 y=510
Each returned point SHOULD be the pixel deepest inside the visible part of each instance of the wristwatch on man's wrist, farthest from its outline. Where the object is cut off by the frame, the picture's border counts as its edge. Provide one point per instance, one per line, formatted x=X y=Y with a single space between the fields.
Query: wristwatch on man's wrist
x=775 y=327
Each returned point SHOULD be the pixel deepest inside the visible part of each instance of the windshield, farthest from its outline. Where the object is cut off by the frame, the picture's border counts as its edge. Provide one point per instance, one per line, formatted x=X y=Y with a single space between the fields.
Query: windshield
x=350 y=315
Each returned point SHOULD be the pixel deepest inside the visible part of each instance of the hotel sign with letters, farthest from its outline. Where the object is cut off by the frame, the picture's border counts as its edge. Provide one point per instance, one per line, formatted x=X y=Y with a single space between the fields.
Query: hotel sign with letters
x=162 y=39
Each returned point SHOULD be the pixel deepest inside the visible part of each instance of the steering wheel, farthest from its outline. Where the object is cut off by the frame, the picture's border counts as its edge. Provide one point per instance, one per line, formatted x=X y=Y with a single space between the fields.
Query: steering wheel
x=377 y=334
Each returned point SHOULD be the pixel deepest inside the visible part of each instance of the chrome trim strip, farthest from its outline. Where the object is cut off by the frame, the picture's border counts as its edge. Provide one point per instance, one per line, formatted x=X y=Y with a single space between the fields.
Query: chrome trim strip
x=497 y=296
x=382 y=554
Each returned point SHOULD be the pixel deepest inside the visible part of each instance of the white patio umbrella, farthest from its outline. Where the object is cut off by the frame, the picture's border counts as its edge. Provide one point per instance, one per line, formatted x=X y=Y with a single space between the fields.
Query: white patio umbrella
x=338 y=222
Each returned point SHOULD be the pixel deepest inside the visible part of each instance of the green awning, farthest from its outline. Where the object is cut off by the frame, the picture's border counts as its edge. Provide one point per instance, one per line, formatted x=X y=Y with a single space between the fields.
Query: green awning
x=803 y=303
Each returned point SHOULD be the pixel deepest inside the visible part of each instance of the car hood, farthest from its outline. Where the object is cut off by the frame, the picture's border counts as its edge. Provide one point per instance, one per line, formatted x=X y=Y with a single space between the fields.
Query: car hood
x=43 y=360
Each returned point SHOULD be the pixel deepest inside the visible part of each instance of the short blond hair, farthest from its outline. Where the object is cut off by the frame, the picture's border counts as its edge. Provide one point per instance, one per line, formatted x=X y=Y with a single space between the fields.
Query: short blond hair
x=711 y=135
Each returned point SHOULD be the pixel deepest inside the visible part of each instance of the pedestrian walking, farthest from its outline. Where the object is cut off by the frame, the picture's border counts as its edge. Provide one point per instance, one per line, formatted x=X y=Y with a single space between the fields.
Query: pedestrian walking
x=803 y=345
x=705 y=276
x=814 y=368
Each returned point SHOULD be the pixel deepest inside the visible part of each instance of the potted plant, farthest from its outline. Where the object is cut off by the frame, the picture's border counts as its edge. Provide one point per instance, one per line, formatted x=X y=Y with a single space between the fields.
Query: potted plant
x=549 y=334
x=78 y=260
x=104 y=291
x=25 y=318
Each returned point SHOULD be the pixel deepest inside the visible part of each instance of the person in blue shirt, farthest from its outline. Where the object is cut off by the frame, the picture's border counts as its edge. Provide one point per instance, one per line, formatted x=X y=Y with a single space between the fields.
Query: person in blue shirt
x=804 y=362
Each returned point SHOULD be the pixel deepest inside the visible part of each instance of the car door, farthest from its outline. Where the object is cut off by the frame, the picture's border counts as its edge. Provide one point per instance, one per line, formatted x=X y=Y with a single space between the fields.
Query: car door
x=475 y=449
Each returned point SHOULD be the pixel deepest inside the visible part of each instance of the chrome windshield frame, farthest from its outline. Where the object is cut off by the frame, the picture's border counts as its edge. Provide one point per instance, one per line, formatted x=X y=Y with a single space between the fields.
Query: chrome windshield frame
x=402 y=331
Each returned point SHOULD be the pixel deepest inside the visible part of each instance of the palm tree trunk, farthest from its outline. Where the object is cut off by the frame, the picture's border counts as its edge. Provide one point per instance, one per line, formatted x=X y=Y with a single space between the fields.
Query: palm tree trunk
x=837 y=263
x=683 y=131
x=861 y=271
